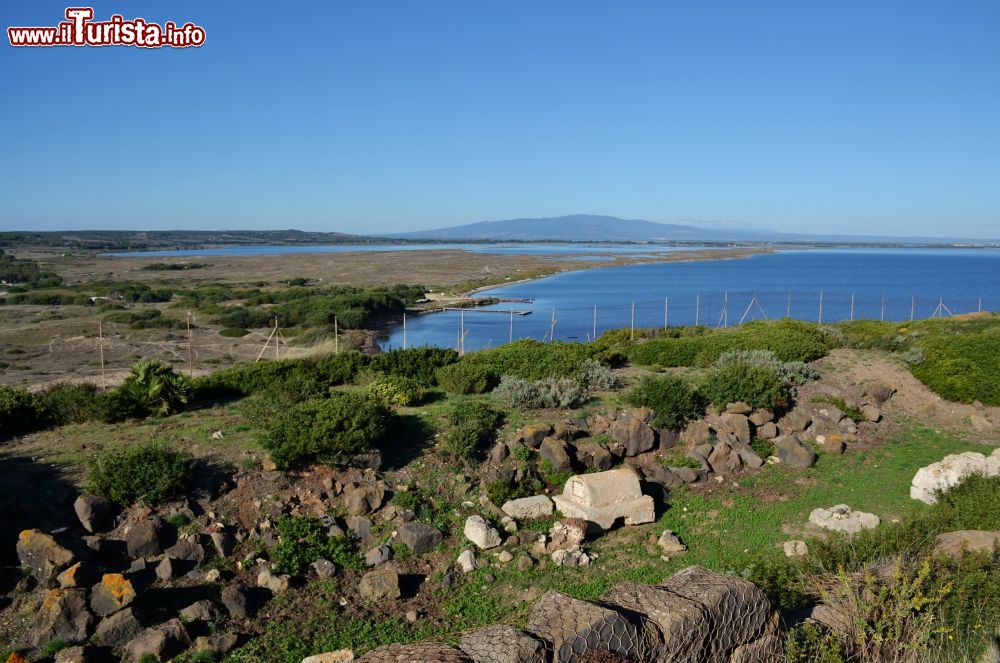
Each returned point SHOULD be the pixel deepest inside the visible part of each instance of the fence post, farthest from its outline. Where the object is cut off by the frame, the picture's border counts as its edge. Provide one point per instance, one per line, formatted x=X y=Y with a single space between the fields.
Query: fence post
x=697 y=308
x=595 y=322
x=913 y=306
x=820 y=320
x=666 y=312
x=632 y=324
x=100 y=337
x=852 y=307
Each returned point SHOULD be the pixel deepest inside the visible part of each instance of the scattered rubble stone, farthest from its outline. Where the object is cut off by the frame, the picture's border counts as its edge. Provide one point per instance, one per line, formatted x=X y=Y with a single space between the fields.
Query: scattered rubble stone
x=419 y=537
x=481 y=533
x=94 y=512
x=529 y=508
x=380 y=585
x=842 y=518
x=40 y=553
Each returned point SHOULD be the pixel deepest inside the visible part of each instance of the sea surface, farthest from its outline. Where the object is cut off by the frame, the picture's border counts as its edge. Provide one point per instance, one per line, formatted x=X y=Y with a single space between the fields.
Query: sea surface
x=805 y=284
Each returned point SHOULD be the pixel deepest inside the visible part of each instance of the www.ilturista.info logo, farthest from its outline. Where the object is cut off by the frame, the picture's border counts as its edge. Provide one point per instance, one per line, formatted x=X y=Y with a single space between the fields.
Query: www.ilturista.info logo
x=81 y=30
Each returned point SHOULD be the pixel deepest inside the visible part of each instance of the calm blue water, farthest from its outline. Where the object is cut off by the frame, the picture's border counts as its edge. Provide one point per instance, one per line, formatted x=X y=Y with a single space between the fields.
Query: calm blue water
x=519 y=249
x=786 y=282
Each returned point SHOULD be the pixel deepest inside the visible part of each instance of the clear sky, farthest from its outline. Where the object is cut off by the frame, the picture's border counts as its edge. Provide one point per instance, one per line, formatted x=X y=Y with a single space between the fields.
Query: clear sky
x=367 y=116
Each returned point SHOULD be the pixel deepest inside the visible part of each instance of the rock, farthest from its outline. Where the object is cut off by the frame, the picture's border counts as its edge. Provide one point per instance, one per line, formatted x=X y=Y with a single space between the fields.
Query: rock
x=361 y=500
x=593 y=456
x=339 y=656
x=505 y=556
x=668 y=438
x=571 y=557
x=980 y=424
x=165 y=570
x=481 y=533
x=532 y=434
x=379 y=585
x=77 y=575
x=724 y=460
x=750 y=457
x=143 y=538
x=268 y=465
x=76 y=655
x=954 y=544
x=670 y=544
x=576 y=630
x=324 y=568
x=212 y=575
x=113 y=593
x=218 y=644
x=187 y=551
x=697 y=433
x=239 y=602
x=555 y=452
x=467 y=561
x=795 y=548
x=115 y=630
x=199 y=611
x=360 y=526
x=62 y=615
x=831 y=413
x=794 y=453
x=632 y=432
x=529 y=508
x=565 y=430
x=879 y=392
x=761 y=417
x=419 y=538
x=833 y=444
x=738 y=408
x=686 y=474
x=767 y=431
x=604 y=497
x=502 y=644
x=795 y=421
x=40 y=553
x=951 y=471
x=94 y=512
x=567 y=533
x=499 y=453
x=217 y=435
x=598 y=424
x=738 y=425
x=164 y=641
x=843 y=518
x=277 y=584
x=871 y=413
x=656 y=473
x=223 y=542
x=379 y=555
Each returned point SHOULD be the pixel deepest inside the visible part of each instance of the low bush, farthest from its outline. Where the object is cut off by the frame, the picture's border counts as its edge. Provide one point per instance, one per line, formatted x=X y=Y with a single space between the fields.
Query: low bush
x=331 y=430
x=793 y=373
x=757 y=386
x=151 y=388
x=262 y=407
x=20 y=411
x=962 y=366
x=397 y=390
x=466 y=378
x=545 y=393
x=421 y=364
x=302 y=541
x=534 y=360
x=670 y=397
x=67 y=403
x=233 y=332
x=471 y=426
x=150 y=473
x=597 y=376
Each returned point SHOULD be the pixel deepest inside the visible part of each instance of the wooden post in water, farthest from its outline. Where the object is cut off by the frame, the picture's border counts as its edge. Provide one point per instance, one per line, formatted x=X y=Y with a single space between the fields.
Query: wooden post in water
x=461 y=333
x=913 y=306
x=788 y=308
x=697 y=309
x=882 y=317
x=632 y=324
x=820 y=320
x=725 y=308
x=510 y=328
x=852 y=307
x=595 y=322
x=404 y=330
x=980 y=310
x=552 y=326
x=100 y=339
x=666 y=312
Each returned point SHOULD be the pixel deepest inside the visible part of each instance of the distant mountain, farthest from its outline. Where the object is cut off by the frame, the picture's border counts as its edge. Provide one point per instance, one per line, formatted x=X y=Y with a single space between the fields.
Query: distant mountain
x=595 y=228
x=576 y=227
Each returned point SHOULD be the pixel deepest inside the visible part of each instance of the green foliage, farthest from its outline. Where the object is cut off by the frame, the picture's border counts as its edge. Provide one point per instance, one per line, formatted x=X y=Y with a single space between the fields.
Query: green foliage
x=172 y=266
x=534 y=360
x=68 y=403
x=341 y=368
x=233 y=332
x=466 y=378
x=962 y=366
x=680 y=459
x=20 y=411
x=808 y=643
x=301 y=541
x=420 y=364
x=397 y=390
x=550 y=476
x=54 y=646
x=501 y=491
x=544 y=393
x=149 y=472
x=852 y=413
x=793 y=373
x=149 y=318
x=789 y=340
x=153 y=388
x=763 y=448
x=596 y=375
x=297 y=387
x=670 y=397
x=26 y=272
x=331 y=430
x=471 y=426
x=757 y=386
x=408 y=500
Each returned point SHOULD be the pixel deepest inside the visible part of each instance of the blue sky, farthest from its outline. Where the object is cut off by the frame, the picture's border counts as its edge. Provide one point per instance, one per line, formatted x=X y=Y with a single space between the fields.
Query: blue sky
x=367 y=117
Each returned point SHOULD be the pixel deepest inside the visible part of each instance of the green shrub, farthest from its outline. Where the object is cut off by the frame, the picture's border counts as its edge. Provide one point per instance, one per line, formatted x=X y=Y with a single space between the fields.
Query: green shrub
x=763 y=448
x=420 y=364
x=501 y=490
x=534 y=360
x=20 y=411
x=153 y=388
x=149 y=472
x=670 y=397
x=793 y=373
x=471 y=425
x=397 y=390
x=544 y=393
x=341 y=368
x=262 y=407
x=466 y=378
x=233 y=332
x=596 y=375
x=962 y=366
x=462 y=441
x=67 y=403
x=331 y=430
x=301 y=541
x=757 y=386
x=852 y=413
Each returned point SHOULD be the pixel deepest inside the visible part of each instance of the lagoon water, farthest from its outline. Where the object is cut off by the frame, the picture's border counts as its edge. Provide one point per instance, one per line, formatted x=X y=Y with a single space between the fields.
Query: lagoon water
x=925 y=281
